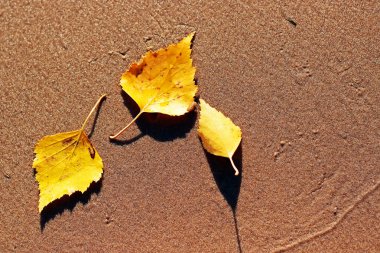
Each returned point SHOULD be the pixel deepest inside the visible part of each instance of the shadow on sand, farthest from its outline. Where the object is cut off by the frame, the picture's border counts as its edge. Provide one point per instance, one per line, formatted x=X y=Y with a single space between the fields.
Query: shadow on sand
x=57 y=207
x=228 y=184
x=159 y=126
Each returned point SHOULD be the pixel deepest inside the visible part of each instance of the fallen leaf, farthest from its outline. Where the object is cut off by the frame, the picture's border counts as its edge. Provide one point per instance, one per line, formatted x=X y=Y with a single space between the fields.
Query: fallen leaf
x=219 y=135
x=66 y=163
x=162 y=81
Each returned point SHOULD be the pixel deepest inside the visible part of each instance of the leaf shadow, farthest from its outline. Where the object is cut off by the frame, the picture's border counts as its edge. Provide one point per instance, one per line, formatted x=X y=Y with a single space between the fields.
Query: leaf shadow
x=159 y=126
x=57 y=207
x=223 y=173
x=228 y=184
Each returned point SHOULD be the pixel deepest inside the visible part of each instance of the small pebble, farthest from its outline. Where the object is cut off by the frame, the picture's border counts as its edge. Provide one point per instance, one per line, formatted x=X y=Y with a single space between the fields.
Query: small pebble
x=335 y=211
x=343 y=135
x=147 y=38
x=108 y=220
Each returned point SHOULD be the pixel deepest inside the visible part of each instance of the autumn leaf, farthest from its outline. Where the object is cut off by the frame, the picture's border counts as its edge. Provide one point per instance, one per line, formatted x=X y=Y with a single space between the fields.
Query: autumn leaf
x=219 y=135
x=66 y=163
x=162 y=81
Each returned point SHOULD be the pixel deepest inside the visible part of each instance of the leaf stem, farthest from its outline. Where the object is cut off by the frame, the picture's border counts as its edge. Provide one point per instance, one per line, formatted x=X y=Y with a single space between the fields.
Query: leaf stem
x=233 y=165
x=125 y=128
x=92 y=110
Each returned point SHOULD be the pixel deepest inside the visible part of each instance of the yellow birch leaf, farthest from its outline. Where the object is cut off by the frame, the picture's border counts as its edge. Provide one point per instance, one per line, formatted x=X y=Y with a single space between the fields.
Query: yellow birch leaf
x=162 y=81
x=219 y=135
x=66 y=163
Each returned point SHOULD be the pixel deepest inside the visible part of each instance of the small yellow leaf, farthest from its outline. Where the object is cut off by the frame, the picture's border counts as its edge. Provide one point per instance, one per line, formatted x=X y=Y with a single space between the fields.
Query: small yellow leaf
x=162 y=81
x=219 y=135
x=66 y=163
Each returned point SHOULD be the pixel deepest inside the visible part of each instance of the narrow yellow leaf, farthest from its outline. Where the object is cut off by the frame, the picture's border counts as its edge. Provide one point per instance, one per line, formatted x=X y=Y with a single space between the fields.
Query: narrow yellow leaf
x=162 y=81
x=219 y=135
x=65 y=163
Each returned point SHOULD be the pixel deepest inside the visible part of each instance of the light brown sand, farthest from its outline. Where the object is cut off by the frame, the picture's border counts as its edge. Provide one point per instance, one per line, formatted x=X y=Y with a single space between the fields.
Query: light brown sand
x=307 y=98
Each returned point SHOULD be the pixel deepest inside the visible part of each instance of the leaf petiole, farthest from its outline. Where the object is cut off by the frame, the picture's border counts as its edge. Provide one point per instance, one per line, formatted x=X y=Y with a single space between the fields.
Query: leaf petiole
x=125 y=128
x=234 y=166
x=92 y=110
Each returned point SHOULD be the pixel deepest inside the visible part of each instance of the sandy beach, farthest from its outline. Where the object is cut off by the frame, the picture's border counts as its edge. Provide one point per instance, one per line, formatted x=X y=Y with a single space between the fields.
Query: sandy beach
x=300 y=78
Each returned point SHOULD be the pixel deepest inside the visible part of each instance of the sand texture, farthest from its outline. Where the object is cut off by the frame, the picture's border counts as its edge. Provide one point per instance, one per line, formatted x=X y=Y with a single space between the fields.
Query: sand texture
x=300 y=78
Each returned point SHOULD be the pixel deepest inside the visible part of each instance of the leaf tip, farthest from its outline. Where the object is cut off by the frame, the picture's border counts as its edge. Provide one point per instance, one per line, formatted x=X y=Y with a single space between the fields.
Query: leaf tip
x=201 y=102
x=189 y=38
x=41 y=206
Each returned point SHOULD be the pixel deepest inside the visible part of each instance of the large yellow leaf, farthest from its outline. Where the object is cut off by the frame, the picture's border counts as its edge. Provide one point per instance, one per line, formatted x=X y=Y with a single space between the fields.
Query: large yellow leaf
x=162 y=81
x=219 y=135
x=66 y=163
